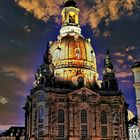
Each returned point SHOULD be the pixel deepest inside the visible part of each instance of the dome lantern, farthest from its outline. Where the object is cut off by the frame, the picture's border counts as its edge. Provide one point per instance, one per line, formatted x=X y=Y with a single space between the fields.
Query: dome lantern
x=70 y=18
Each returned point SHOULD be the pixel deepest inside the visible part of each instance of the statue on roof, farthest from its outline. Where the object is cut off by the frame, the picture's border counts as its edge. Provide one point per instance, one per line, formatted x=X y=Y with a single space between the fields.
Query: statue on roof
x=45 y=74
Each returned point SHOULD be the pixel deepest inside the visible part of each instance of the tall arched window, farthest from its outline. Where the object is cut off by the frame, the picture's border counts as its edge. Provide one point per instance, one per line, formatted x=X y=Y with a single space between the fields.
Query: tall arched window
x=103 y=117
x=57 y=53
x=61 y=116
x=92 y=55
x=41 y=114
x=83 y=116
x=71 y=17
x=84 y=123
x=78 y=53
x=61 y=123
x=104 y=121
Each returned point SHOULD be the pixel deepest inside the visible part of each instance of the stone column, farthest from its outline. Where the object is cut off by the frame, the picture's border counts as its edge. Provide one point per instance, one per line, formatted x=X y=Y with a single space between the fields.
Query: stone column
x=71 y=120
x=76 y=123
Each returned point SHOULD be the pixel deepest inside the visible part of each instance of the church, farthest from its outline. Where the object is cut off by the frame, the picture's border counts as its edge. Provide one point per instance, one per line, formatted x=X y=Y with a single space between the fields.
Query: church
x=67 y=101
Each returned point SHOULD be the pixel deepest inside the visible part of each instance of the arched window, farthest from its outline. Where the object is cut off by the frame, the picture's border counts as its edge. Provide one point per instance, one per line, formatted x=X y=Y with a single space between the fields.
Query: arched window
x=61 y=116
x=83 y=116
x=92 y=55
x=61 y=123
x=57 y=53
x=84 y=132
x=104 y=131
x=71 y=17
x=78 y=53
x=103 y=117
x=41 y=114
x=104 y=121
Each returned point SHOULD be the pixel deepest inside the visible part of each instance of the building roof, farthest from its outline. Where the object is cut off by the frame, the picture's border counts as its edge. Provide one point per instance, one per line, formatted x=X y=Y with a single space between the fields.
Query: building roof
x=14 y=131
x=134 y=127
x=137 y=64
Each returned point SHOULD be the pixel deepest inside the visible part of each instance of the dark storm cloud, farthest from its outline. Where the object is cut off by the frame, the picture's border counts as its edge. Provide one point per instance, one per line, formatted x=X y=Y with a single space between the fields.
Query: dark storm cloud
x=16 y=55
x=23 y=41
x=12 y=93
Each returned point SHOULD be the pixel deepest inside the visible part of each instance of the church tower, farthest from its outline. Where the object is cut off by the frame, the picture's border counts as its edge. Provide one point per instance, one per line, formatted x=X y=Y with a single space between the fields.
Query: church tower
x=136 y=71
x=109 y=80
x=66 y=102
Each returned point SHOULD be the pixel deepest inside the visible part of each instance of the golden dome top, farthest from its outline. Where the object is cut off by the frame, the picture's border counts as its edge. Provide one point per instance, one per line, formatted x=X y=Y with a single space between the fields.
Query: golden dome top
x=76 y=51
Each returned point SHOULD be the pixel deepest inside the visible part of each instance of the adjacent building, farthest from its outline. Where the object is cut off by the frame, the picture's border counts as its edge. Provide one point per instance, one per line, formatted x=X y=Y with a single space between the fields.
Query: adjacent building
x=136 y=71
x=13 y=133
x=66 y=102
x=134 y=133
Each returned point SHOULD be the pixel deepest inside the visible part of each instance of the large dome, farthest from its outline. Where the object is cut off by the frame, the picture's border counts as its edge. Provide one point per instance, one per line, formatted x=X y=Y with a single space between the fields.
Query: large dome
x=74 y=59
x=72 y=55
x=71 y=48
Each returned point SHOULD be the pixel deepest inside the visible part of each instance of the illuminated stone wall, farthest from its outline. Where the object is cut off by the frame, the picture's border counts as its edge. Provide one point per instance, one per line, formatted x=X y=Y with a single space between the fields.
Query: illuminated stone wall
x=72 y=104
x=73 y=58
x=136 y=71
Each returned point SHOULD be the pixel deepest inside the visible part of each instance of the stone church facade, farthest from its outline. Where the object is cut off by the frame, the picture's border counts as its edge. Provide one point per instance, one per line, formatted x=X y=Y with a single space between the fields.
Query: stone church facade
x=67 y=101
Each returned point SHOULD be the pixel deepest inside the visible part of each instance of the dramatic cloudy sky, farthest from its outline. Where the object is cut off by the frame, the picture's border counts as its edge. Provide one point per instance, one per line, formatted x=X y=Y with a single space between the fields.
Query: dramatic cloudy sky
x=27 y=25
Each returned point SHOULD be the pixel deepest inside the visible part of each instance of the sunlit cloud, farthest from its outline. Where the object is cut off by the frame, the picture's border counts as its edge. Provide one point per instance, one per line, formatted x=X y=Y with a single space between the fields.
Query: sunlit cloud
x=126 y=81
x=92 y=14
x=3 y=100
x=124 y=74
x=120 y=61
x=27 y=28
x=130 y=48
x=107 y=34
x=119 y=54
x=125 y=54
x=23 y=74
x=43 y=9
x=130 y=57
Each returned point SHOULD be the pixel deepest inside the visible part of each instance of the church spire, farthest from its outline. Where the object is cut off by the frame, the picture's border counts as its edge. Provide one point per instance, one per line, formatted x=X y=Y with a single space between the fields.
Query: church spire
x=47 y=57
x=44 y=76
x=108 y=61
x=109 y=80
